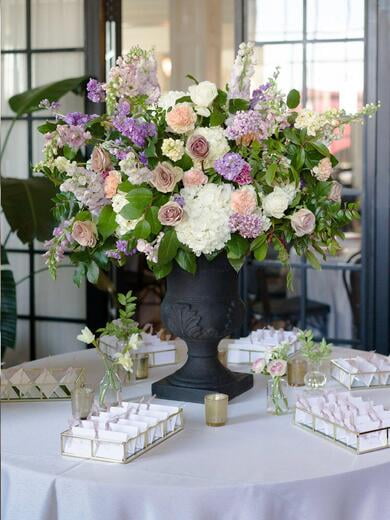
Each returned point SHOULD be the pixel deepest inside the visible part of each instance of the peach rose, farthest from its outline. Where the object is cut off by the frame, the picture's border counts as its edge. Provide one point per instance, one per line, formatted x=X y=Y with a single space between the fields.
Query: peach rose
x=111 y=183
x=181 y=119
x=170 y=214
x=165 y=176
x=100 y=160
x=194 y=177
x=84 y=233
x=244 y=201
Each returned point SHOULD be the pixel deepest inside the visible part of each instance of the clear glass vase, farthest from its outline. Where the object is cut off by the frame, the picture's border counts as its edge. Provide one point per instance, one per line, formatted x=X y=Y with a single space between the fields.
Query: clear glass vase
x=277 y=400
x=315 y=377
x=110 y=388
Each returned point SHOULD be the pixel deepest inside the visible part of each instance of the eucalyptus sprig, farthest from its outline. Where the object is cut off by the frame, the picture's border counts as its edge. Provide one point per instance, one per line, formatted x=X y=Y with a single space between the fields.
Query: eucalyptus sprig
x=314 y=351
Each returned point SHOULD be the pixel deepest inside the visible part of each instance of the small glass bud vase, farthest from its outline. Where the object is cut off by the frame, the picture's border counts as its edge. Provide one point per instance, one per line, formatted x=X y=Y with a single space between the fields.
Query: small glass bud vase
x=277 y=401
x=315 y=377
x=110 y=388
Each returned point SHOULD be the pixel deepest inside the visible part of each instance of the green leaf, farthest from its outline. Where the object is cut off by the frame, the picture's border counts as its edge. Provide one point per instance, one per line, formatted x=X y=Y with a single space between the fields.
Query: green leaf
x=106 y=224
x=238 y=104
x=185 y=162
x=168 y=247
x=161 y=271
x=292 y=135
x=150 y=150
x=27 y=206
x=293 y=98
x=28 y=101
x=139 y=199
x=258 y=241
x=93 y=272
x=183 y=99
x=312 y=259
x=321 y=148
x=217 y=118
x=152 y=217
x=122 y=299
x=237 y=247
x=192 y=78
x=79 y=274
x=298 y=159
x=142 y=229
x=261 y=252
x=270 y=173
x=8 y=304
x=186 y=260
x=236 y=263
x=47 y=127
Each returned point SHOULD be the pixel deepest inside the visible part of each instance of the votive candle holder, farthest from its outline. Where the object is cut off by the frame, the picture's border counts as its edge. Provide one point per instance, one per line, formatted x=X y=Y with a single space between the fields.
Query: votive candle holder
x=216 y=409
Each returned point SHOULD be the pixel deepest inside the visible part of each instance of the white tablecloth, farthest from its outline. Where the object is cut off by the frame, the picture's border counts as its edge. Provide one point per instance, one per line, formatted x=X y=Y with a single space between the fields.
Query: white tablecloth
x=257 y=467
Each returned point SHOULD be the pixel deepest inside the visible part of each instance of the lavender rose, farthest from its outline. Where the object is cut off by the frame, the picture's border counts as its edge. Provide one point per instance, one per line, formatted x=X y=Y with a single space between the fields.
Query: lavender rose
x=335 y=192
x=84 y=233
x=165 y=177
x=303 y=222
x=170 y=214
x=100 y=160
x=197 y=147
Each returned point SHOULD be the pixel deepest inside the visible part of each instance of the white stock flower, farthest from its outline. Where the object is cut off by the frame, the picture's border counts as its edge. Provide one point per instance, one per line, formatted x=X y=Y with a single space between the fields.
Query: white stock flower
x=129 y=166
x=86 y=336
x=205 y=226
x=218 y=144
x=202 y=95
x=275 y=203
x=310 y=120
x=173 y=149
x=119 y=201
x=133 y=342
x=124 y=225
x=124 y=360
x=169 y=99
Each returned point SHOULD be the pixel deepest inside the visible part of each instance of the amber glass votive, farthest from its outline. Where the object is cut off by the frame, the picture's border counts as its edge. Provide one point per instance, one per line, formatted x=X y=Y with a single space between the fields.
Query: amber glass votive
x=142 y=364
x=296 y=371
x=222 y=356
x=216 y=409
x=82 y=399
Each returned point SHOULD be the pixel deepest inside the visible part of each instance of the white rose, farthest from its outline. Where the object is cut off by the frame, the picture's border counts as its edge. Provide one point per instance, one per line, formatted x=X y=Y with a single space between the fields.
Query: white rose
x=169 y=99
x=276 y=203
x=202 y=95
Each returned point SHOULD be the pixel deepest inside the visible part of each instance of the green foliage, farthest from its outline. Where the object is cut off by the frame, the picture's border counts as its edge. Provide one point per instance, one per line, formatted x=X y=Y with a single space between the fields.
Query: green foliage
x=125 y=326
x=139 y=199
x=186 y=260
x=313 y=351
x=168 y=247
x=293 y=98
x=106 y=224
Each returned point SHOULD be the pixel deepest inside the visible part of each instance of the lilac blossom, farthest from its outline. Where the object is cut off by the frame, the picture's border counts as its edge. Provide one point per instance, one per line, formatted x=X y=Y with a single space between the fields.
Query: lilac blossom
x=88 y=188
x=142 y=158
x=95 y=91
x=72 y=136
x=135 y=129
x=244 y=124
x=179 y=200
x=248 y=226
x=231 y=166
x=260 y=95
x=52 y=106
x=78 y=118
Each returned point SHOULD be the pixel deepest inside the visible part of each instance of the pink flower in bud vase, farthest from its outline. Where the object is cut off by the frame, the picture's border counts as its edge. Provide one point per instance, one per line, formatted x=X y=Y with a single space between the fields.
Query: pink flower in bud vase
x=258 y=366
x=277 y=367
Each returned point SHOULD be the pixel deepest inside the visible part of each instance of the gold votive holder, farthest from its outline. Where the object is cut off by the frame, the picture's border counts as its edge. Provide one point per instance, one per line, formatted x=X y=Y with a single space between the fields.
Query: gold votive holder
x=142 y=366
x=82 y=400
x=296 y=371
x=223 y=356
x=216 y=409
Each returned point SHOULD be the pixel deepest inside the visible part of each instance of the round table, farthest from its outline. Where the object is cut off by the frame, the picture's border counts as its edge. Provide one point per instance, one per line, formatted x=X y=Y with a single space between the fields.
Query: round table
x=256 y=467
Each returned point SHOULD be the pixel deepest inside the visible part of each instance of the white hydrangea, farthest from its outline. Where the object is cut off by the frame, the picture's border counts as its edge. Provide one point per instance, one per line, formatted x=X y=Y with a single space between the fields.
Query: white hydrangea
x=129 y=166
x=205 y=226
x=169 y=99
x=217 y=142
x=173 y=149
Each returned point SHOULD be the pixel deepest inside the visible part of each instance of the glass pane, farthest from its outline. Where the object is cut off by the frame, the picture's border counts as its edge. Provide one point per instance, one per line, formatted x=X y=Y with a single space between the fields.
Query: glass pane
x=14 y=79
x=48 y=15
x=19 y=263
x=13 y=241
x=335 y=19
x=56 y=66
x=278 y=20
x=15 y=159
x=21 y=352
x=288 y=57
x=335 y=78
x=57 y=338
x=60 y=297
x=13 y=24
x=189 y=37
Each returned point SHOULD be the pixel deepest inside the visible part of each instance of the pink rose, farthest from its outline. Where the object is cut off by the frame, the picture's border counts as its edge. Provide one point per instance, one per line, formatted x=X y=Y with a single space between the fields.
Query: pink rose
x=244 y=201
x=303 y=222
x=258 y=366
x=194 y=177
x=100 y=160
x=181 y=119
x=111 y=183
x=84 y=233
x=197 y=147
x=170 y=214
x=335 y=192
x=165 y=177
x=277 y=367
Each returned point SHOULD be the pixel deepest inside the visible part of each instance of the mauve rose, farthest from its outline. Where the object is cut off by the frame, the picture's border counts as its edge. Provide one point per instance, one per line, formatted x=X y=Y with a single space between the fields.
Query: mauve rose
x=335 y=192
x=100 y=160
x=111 y=183
x=165 y=176
x=84 y=233
x=170 y=214
x=197 y=147
x=277 y=367
x=303 y=222
x=194 y=177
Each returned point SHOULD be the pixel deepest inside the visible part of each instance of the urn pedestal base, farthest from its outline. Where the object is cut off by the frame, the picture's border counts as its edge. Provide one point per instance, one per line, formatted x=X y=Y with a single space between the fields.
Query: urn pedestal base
x=164 y=389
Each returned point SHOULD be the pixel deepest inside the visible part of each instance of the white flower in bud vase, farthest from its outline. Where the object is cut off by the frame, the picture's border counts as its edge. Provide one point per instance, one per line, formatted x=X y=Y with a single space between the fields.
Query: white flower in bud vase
x=86 y=336
x=124 y=360
x=202 y=95
x=133 y=342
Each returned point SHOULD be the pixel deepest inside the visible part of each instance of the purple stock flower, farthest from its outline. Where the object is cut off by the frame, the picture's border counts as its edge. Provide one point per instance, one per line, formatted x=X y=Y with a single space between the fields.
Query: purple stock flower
x=113 y=254
x=179 y=200
x=260 y=95
x=143 y=159
x=123 y=108
x=248 y=226
x=53 y=106
x=78 y=118
x=231 y=166
x=135 y=129
x=95 y=91
x=73 y=136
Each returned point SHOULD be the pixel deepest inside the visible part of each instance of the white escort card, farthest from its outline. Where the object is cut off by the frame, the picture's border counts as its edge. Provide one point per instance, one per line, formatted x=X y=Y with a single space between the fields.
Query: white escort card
x=247 y=350
x=361 y=372
x=350 y=421
x=123 y=433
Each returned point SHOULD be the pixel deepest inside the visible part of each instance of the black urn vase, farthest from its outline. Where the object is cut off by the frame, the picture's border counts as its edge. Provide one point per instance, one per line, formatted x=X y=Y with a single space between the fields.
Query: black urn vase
x=202 y=309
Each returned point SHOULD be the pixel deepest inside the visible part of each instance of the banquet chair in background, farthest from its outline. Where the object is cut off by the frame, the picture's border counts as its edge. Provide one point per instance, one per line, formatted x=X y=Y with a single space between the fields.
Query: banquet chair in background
x=351 y=280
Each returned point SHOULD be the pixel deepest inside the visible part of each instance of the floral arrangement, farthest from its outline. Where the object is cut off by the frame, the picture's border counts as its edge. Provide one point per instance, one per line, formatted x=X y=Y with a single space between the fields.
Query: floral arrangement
x=313 y=351
x=185 y=174
x=128 y=336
